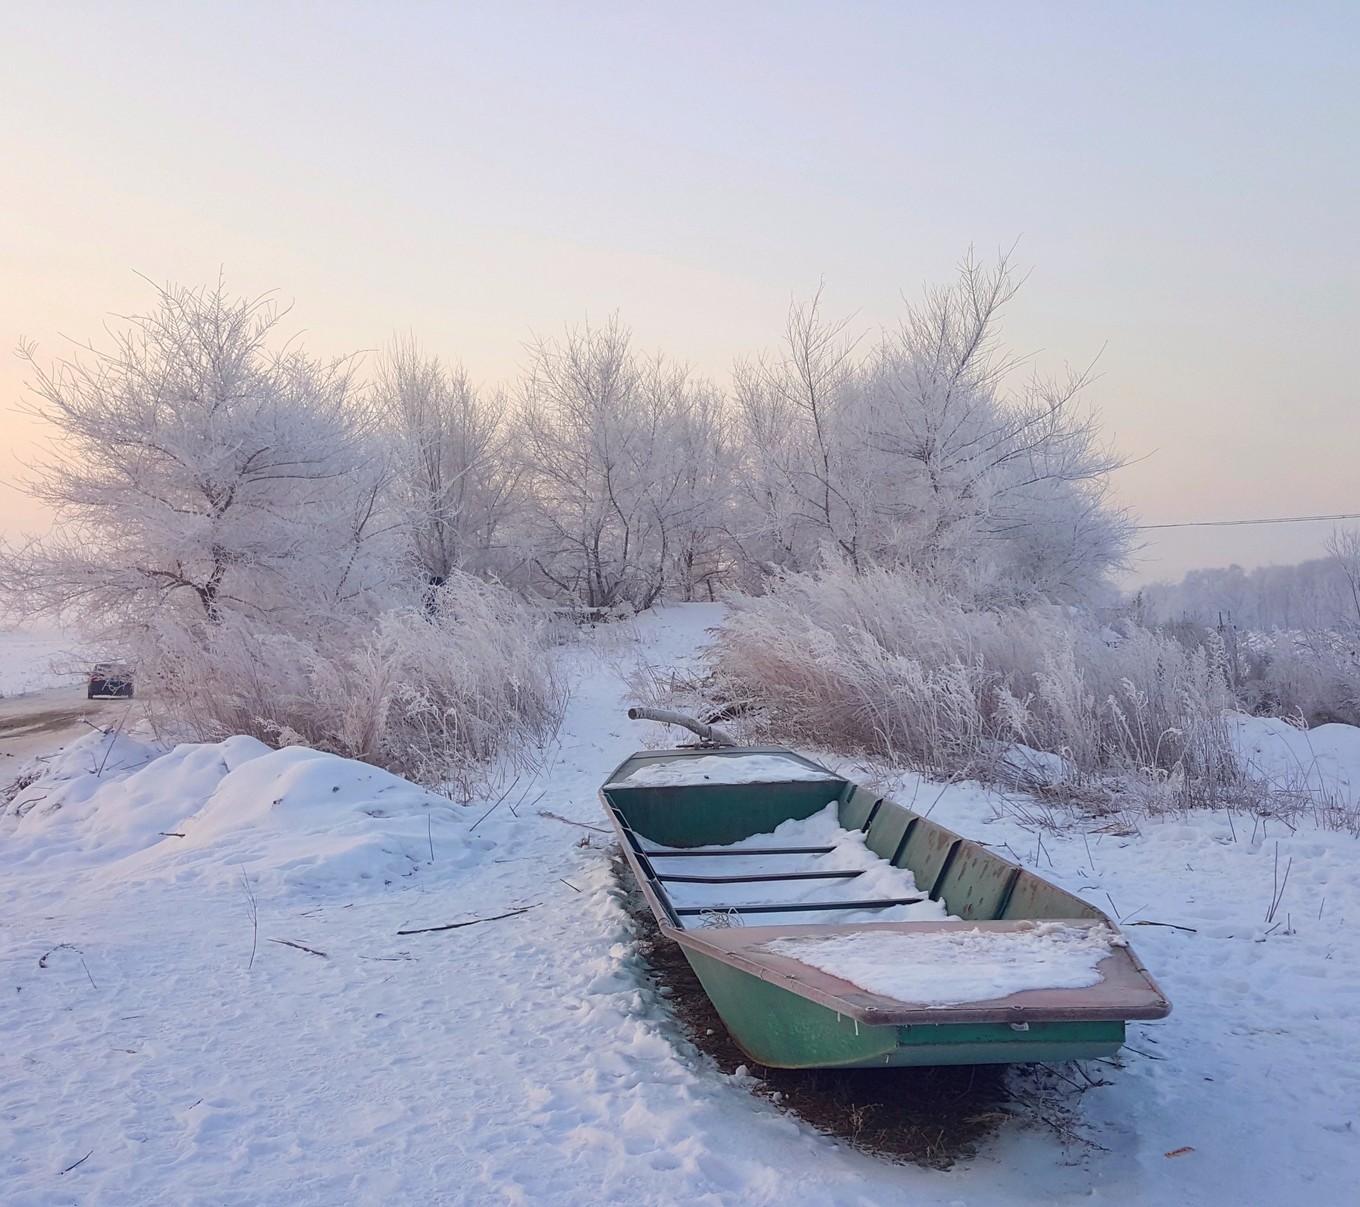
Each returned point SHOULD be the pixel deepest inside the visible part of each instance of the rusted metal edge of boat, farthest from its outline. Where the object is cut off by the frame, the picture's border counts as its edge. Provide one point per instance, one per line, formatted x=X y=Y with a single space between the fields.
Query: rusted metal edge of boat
x=784 y=1013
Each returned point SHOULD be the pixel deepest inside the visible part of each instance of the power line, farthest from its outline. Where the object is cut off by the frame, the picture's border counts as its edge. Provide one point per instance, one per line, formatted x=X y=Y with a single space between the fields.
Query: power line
x=1292 y=519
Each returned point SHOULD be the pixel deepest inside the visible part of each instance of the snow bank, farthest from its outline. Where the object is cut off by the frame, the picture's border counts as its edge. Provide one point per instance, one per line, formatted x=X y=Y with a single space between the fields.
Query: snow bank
x=952 y=968
x=1324 y=761
x=295 y=816
x=721 y=769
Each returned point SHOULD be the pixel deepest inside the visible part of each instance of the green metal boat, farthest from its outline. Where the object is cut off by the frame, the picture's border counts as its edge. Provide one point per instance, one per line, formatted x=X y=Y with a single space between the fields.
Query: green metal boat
x=708 y=842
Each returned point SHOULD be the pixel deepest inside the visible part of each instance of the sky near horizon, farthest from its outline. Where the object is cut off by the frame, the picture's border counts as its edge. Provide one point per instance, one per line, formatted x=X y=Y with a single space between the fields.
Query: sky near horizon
x=1183 y=181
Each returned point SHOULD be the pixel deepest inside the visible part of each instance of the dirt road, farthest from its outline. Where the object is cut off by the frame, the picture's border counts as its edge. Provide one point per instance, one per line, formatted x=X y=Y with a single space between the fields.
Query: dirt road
x=35 y=723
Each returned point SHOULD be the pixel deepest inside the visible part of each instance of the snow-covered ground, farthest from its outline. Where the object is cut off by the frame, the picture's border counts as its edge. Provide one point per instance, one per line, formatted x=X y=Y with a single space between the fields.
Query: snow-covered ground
x=223 y=984
x=38 y=658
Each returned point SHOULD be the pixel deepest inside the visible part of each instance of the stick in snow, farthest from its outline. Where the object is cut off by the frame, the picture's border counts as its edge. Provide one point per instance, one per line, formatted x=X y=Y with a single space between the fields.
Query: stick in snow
x=709 y=734
x=491 y=810
x=42 y=959
x=1277 y=894
x=254 y=918
x=82 y=1161
x=558 y=817
x=301 y=947
x=426 y=930
x=80 y=955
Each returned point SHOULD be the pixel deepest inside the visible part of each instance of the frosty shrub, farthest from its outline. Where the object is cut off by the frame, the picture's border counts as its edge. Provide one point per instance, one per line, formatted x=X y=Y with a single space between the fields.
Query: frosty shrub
x=626 y=464
x=927 y=448
x=1312 y=676
x=230 y=521
x=886 y=663
x=426 y=693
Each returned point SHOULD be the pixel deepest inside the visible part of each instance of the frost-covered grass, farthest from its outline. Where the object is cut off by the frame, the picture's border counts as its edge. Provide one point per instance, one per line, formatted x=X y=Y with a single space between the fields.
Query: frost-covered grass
x=885 y=663
x=431 y=696
x=1314 y=676
x=1309 y=675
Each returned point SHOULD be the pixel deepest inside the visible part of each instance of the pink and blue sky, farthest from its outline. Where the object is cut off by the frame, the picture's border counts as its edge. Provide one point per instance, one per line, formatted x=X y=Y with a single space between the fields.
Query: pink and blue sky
x=1183 y=180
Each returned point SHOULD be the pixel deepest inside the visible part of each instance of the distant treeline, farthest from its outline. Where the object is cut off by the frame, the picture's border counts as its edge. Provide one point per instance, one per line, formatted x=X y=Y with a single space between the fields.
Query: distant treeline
x=1323 y=593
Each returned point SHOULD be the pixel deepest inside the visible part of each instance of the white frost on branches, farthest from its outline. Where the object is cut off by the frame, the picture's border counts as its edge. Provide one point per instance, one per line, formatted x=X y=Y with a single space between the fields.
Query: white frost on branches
x=229 y=521
x=290 y=551
x=626 y=460
x=200 y=476
x=915 y=453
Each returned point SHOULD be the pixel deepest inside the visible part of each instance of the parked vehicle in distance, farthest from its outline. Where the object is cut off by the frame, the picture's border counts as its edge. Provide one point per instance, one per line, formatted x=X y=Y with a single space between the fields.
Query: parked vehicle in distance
x=110 y=681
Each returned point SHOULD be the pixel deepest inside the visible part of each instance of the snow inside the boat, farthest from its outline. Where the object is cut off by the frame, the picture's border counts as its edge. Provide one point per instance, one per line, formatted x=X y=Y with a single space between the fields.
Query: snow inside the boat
x=721 y=769
x=957 y=967
x=877 y=879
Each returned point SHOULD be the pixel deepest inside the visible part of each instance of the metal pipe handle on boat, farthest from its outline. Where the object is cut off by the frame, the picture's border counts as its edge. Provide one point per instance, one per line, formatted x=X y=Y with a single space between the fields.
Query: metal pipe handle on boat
x=707 y=733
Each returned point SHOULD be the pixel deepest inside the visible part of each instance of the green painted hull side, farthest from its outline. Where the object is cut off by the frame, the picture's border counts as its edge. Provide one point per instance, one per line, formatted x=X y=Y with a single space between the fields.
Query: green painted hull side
x=718 y=814
x=783 y=1030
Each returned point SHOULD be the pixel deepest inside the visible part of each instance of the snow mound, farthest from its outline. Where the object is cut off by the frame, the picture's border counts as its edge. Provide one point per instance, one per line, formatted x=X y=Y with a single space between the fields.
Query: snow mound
x=1321 y=761
x=953 y=968
x=295 y=817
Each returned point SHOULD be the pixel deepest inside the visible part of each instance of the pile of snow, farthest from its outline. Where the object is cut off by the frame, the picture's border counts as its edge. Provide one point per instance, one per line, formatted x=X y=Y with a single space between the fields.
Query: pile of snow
x=956 y=967
x=289 y=817
x=878 y=880
x=1324 y=762
x=721 y=769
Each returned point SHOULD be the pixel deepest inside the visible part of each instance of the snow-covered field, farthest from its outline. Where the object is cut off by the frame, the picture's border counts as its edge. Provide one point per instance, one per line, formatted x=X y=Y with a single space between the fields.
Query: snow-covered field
x=38 y=658
x=209 y=996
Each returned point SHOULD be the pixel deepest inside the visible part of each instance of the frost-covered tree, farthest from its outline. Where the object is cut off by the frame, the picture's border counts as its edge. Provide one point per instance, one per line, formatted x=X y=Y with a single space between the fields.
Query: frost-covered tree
x=1319 y=594
x=224 y=519
x=195 y=475
x=699 y=546
x=1344 y=547
x=455 y=480
x=918 y=452
x=623 y=467
x=807 y=484
x=1015 y=480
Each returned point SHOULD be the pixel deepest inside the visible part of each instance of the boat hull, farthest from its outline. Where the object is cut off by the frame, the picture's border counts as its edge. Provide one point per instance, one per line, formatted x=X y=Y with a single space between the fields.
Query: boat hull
x=783 y=1013
x=784 y=1030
